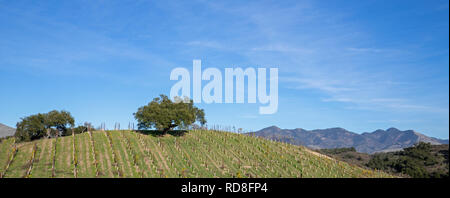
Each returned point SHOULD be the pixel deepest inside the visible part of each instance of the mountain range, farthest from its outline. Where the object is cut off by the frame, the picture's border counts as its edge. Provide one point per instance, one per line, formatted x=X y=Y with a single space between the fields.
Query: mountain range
x=391 y=139
x=6 y=130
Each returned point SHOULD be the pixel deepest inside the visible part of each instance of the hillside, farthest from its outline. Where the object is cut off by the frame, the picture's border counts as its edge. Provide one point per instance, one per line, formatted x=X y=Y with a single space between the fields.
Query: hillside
x=197 y=153
x=418 y=161
x=391 y=139
x=6 y=130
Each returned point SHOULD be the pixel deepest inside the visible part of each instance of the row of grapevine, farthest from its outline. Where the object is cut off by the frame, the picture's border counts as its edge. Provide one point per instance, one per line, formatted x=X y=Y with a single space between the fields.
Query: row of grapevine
x=74 y=156
x=179 y=162
x=148 y=157
x=190 y=167
x=114 y=155
x=183 y=147
x=134 y=155
x=10 y=158
x=165 y=170
x=230 y=153
x=54 y=156
x=208 y=158
x=196 y=153
x=124 y=155
x=42 y=161
x=33 y=155
x=94 y=153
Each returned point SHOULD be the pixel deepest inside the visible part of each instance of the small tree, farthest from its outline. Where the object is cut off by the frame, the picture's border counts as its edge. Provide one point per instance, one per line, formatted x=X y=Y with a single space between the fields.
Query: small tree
x=164 y=115
x=31 y=128
x=39 y=125
x=59 y=120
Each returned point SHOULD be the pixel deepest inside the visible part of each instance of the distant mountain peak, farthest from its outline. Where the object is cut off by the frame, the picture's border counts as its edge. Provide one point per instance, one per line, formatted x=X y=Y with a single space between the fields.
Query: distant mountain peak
x=392 y=129
x=337 y=128
x=272 y=128
x=337 y=137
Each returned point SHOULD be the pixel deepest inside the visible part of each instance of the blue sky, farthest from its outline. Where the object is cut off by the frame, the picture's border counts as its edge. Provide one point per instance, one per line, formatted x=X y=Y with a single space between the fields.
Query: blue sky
x=360 y=65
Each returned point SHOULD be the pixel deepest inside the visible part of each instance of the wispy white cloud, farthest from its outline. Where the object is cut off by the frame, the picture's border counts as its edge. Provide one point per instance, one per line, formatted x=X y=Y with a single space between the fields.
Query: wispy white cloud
x=70 y=49
x=278 y=47
x=207 y=44
x=326 y=60
x=371 y=50
x=331 y=86
x=385 y=104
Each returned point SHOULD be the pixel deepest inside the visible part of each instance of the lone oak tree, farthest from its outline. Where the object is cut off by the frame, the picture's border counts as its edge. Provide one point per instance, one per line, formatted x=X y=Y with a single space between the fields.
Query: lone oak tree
x=59 y=120
x=164 y=115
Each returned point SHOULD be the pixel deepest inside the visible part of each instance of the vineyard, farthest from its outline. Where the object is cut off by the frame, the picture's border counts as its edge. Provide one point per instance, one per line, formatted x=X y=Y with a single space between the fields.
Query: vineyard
x=194 y=154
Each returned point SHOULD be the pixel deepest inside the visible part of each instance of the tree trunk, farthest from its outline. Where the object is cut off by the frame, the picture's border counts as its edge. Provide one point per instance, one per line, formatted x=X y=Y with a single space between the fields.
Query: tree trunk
x=165 y=131
x=48 y=133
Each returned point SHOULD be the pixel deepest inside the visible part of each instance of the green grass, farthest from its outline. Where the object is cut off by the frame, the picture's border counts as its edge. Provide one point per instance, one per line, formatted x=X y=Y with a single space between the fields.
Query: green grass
x=85 y=156
x=42 y=166
x=198 y=153
x=5 y=152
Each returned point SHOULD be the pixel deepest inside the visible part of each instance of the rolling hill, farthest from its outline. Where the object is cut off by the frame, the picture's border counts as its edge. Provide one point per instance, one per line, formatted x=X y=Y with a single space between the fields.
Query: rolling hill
x=391 y=139
x=418 y=161
x=194 y=154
